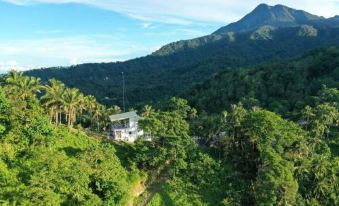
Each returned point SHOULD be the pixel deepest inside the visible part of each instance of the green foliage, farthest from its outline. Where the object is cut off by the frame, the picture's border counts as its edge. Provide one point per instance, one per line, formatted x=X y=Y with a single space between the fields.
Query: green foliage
x=262 y=147
x=4 y=113
x=245 y=155
x=280 y=87
x=64 y=105
x=171 y=140
x=41 y=164
x=176 y=67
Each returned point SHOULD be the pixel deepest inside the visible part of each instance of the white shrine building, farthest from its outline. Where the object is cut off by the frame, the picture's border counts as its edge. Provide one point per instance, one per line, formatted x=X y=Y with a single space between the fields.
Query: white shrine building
x=125 y=127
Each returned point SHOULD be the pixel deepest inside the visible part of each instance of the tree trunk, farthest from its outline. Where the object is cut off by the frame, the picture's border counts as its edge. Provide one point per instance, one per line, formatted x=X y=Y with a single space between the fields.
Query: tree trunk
x=68 y=118
x=60 y=117
x=56 y=117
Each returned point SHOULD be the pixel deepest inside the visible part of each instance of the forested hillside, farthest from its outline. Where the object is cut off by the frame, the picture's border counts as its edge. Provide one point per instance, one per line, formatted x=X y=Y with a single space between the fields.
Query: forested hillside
x=266 y=34
x=50 y=164
x=279 y=86
x=248 y=115
x=54 y=149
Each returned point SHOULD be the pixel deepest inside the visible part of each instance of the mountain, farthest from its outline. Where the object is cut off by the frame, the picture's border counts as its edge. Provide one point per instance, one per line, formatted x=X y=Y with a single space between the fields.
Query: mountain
x=276 y=16
x=263 y=16
x=266 y=34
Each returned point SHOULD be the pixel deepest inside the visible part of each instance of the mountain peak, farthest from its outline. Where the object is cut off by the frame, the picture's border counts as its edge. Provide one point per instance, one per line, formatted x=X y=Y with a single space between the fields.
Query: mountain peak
x=262 y=6
x=276 y=16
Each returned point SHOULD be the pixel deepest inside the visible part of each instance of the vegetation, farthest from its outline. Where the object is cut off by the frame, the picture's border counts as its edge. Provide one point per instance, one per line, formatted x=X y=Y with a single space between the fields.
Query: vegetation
x=64 y=105
x=254 y=157
x=177 y=67
x=268 y=33
x=45 y=164
x=284 y=88
x=265 y=135
x=241 y=154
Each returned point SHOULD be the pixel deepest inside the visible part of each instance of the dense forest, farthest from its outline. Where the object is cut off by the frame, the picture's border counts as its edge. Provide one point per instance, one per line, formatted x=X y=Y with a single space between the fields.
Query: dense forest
x=242 y=151
x=158 y=76
x=279 y=86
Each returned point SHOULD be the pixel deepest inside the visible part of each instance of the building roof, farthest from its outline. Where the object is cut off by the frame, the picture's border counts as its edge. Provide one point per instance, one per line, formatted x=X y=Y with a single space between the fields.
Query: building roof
x=122 y=116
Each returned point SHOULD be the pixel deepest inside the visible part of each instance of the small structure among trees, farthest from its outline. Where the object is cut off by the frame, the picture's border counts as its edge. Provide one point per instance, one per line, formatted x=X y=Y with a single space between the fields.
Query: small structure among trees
x=125 y=127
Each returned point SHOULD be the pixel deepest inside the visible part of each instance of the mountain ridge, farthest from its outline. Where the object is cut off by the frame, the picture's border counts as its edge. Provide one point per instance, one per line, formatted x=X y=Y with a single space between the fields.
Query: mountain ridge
x=277 y=16
x=178 y=66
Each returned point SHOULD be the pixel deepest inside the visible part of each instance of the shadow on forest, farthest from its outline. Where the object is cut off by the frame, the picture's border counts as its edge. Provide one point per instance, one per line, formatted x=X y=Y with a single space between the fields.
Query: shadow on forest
x=71 y=151
x=125 y=152
x=167 y=200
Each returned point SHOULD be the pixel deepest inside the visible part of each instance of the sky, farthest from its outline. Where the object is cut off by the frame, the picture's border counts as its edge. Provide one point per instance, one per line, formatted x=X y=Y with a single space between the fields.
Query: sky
x=45 y=33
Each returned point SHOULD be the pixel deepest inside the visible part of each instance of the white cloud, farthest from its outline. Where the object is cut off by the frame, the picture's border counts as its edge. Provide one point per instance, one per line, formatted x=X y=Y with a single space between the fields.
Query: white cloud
x=187 y=11
x=64 y=51
x=6 y=66
x=74 y=61
x=146 y=25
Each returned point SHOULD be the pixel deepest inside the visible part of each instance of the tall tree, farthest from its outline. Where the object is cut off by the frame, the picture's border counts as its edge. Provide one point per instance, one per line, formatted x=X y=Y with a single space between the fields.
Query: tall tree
x=70 y=100
x=98 y=114
x=90 y=104
x=22 y=87
x=52 y=99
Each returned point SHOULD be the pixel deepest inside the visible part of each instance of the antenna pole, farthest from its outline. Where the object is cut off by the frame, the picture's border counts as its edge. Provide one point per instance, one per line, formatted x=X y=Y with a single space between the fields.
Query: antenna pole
x=123 y=91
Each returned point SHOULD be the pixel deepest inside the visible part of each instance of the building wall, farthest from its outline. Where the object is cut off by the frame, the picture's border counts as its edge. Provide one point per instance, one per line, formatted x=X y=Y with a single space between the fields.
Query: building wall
x=129 y=134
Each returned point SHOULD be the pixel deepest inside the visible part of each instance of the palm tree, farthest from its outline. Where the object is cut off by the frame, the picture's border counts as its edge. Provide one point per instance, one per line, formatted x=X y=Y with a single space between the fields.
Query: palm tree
x=52 y=99
x=29 y=87
x=106 y=113
x=147 y=111
x=13 y=77
x=90 y=105
x=113 y=110
x=98 y=114
x=81 y=106
x=12 y=80
x=22 y=87
x=70 y=101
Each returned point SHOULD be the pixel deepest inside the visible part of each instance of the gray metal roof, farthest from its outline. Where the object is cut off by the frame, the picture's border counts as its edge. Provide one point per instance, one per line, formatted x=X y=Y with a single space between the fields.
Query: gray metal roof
x=122 y=116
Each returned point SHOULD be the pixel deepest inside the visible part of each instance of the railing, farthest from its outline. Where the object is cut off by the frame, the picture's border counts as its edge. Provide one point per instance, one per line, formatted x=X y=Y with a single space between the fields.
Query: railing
x=120 y=127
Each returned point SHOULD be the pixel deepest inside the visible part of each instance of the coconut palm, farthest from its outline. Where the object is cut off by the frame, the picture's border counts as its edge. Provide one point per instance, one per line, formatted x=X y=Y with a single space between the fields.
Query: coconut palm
x=29 y=87
x=106 y=113
x=90 y=105
x=81 y=106
x=13 y=77
x=12 y=80
x=22 y=87
x=147 y=111
x=70 y=101
x=52 y=99
x=113 y=110
x=98 y=115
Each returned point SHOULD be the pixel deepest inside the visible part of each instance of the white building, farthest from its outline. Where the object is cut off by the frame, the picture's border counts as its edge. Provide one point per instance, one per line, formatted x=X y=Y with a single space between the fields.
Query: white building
x=125 y=127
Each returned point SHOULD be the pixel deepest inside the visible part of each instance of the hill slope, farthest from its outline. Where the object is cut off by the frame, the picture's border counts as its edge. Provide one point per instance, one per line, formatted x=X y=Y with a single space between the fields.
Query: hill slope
x=178 y=66
x=280 y=87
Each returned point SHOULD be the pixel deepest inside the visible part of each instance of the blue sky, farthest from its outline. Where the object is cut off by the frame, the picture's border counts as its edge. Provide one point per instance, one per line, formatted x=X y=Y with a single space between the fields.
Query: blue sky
x=43 y=33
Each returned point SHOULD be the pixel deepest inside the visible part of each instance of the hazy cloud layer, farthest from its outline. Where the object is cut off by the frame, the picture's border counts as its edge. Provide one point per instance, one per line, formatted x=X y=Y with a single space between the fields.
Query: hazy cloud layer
x=62 y=51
